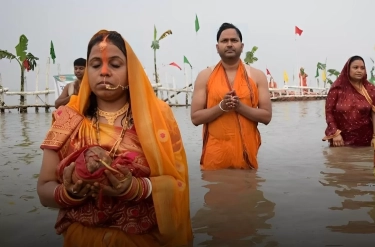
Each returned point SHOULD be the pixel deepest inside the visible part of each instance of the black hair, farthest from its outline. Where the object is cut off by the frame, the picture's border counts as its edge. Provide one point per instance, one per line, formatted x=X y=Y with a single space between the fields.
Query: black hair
x=116 y=39
x=80 y=62
x=226 y=26
x=355 y=58
x=113 y=36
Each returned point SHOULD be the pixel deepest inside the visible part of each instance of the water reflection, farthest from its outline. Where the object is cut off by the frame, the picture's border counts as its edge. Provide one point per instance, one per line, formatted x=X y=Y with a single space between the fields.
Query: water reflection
x=286 y=110
x=235 y=210
x=26 y=157
x=303 y=108
x=350 y=172
x=3 y=127
x=24 y=131
x=19 y=167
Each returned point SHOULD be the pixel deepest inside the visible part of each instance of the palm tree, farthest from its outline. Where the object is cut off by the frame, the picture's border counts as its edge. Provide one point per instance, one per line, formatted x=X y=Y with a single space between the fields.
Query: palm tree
x=250 y=58
x=26 y=61
x=332 y=72
x=372 y=78
x=155 y=45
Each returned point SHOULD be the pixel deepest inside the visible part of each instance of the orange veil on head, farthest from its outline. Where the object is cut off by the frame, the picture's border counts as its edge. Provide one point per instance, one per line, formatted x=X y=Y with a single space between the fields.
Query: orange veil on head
x=162 y=145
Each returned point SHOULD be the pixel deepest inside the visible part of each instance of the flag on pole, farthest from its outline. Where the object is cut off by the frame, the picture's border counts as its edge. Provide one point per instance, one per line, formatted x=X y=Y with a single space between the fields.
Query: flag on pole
x=175 y=64
x=324 y=75
x=52 y=52
x=286 y=77
x=298 y=31
x=321 y=66
x=197 y=27
x=187 y=61
x=268 y=72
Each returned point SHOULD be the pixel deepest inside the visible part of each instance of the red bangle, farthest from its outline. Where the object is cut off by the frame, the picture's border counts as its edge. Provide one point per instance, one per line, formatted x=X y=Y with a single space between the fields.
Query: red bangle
x=138 y=190
x=143 y=191
x=63 y=199
x=132 y=192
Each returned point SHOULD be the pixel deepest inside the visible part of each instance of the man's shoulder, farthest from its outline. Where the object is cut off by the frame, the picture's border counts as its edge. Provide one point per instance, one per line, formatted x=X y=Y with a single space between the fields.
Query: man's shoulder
x=70 y=84
x=205 y=73
x=254 y=71
x=256 y=74
x=207 y=70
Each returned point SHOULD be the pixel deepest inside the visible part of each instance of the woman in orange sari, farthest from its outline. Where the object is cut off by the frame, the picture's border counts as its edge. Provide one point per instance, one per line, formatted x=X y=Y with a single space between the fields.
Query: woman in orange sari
x=303 y=79
x=142 y=201
x=349 y=107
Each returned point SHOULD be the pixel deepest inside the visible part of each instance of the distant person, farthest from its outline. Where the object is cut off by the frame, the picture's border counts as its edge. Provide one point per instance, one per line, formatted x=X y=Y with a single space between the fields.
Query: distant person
x=303 y=79
x=73 y=87
x=230 y=99
x=350 y=107
x=272 y=83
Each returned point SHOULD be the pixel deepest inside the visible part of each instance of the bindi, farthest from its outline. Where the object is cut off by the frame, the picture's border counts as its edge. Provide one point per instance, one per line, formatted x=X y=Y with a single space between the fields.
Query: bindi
x=103 y=49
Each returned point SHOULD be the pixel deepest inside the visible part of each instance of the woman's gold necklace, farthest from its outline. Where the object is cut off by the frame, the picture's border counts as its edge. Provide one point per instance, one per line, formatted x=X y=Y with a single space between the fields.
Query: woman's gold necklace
x=112 y=116
x=125 y=126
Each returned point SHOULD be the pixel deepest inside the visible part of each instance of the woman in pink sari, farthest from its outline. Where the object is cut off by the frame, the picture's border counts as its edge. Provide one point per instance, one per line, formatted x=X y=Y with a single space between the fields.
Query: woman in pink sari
x=349 y=107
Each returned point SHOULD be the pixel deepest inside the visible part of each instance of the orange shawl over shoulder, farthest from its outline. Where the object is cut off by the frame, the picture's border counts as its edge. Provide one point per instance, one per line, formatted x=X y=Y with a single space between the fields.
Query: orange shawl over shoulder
x=161 y=143
x=225 y=139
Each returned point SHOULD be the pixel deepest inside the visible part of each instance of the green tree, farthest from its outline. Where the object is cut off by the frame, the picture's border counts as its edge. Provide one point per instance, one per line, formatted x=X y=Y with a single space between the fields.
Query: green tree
x=250 y=56
x=372 y=76
x=155 y=46
x=332 y=72
x=26 y=61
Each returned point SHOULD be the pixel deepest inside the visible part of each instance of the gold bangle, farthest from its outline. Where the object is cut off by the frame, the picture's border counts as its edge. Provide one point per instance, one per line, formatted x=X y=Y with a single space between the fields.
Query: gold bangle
x=221 y=107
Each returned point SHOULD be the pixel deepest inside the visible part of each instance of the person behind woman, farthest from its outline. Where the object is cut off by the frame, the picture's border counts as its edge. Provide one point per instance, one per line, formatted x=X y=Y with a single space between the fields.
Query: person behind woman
x=350 y=108
x=73 y=87
x=117 y=109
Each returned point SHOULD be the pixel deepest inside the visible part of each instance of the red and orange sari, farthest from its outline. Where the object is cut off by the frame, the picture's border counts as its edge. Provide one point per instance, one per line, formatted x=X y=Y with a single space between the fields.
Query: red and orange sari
x=153 y=148
x=349 y=110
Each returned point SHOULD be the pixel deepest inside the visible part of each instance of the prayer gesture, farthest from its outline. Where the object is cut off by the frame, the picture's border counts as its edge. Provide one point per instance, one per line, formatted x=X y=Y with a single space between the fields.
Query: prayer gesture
x=230 y=101
x=118 y=186
x=77 y=190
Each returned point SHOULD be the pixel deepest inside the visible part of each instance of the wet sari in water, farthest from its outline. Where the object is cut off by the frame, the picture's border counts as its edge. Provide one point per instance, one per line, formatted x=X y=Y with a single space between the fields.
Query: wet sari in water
x=349 y=110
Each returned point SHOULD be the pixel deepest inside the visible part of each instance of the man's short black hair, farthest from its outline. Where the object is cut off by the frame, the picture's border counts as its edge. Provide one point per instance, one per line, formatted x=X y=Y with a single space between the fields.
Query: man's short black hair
x=226 y=26
x=80 y=62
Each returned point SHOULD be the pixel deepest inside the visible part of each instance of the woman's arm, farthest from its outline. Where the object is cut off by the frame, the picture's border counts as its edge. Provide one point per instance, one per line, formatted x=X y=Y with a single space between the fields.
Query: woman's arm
x=331 y=130
x=47 y=181
x=54 y=194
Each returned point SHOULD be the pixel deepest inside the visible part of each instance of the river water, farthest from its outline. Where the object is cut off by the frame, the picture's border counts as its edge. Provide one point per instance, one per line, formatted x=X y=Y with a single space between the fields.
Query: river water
x=304 y=193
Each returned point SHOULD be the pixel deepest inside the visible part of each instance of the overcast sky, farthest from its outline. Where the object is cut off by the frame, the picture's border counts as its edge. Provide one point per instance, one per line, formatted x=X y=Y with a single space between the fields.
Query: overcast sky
x=334 y=29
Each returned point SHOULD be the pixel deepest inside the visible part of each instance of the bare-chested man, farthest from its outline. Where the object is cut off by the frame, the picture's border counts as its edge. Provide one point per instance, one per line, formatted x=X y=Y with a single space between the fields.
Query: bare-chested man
x=73 y=87
x=230 y=99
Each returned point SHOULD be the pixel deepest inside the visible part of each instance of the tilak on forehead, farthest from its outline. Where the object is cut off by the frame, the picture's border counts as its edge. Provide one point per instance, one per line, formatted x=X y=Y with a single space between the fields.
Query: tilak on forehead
x=103 y=49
